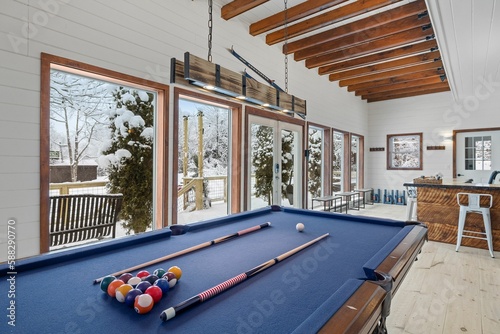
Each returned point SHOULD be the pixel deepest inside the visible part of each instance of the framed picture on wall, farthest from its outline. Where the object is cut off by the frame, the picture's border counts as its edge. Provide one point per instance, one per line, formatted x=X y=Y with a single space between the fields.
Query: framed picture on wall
x=404 y=151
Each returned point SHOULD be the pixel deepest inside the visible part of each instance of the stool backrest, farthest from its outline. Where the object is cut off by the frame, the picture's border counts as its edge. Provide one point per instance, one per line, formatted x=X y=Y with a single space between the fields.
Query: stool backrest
x=474 y=200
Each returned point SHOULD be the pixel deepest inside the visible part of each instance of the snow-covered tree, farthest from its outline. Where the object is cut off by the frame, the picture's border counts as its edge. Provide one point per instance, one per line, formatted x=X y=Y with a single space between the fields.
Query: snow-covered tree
x=315 y=162
x=262 y=161
x=128 y=157
x=78 y=107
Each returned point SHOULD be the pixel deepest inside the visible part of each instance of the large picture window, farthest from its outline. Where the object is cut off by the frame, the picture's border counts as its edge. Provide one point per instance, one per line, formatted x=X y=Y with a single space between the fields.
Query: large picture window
x=101 y=137
x=404 y=151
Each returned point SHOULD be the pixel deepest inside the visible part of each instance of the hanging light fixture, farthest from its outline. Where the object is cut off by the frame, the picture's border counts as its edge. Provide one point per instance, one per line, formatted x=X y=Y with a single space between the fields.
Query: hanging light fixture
x=212 y=77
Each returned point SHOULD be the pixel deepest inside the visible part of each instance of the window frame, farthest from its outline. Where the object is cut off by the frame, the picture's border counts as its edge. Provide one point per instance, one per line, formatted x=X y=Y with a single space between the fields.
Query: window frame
x=390 y=151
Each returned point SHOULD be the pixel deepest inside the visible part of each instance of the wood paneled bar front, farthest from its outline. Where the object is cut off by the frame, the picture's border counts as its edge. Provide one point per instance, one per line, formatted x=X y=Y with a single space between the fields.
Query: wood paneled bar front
x=437 y=207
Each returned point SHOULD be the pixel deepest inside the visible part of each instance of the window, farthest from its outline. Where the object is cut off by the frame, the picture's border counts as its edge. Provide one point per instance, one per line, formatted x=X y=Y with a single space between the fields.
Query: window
x=355 y=162
x=478 y=153
x=315 y=162
x=404 y=151
x=93 y=117
x=337 y=161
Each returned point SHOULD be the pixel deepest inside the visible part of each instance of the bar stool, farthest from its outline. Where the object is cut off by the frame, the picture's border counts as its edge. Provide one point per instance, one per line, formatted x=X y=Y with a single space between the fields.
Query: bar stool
x=474 y=206
x=411 y=204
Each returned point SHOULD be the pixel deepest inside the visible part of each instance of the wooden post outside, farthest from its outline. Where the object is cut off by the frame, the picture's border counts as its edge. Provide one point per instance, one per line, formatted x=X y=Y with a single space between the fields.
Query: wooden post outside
x=200 y=144
x=199 y=193
x=185 y=148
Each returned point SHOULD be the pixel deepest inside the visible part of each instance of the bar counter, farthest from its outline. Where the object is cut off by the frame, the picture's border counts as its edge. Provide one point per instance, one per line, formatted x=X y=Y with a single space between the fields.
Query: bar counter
x=437 y=207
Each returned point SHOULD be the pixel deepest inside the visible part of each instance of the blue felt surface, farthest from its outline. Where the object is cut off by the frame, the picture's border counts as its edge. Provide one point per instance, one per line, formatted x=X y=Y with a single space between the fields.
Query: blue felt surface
x=60 y=298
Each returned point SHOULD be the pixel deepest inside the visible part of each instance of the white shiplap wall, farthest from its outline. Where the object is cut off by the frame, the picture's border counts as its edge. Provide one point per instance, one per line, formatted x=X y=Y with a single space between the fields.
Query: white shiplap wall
x=133 y=37
x=436 y=116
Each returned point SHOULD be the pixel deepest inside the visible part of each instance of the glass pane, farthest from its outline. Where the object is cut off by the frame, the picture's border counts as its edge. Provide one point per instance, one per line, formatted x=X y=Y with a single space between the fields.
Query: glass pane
x=289 y=156
x=469 y=153
x=469 y=164
x=203 y=161
x=262 y=178
x=338 y=153
x=102 y=135
x=354 y=162
x=468 y=141
x=315 y=163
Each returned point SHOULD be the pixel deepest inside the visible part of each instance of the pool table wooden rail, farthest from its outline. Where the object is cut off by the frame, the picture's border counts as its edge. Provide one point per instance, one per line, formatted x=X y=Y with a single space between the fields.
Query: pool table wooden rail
x=362 y=312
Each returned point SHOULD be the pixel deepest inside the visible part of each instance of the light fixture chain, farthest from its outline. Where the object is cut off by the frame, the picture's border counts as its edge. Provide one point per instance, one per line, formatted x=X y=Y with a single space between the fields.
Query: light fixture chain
x=285 y=46
x=210 y=25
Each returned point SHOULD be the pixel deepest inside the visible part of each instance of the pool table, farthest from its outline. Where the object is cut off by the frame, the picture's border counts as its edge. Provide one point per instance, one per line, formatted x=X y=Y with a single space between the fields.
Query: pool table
x=341 y=284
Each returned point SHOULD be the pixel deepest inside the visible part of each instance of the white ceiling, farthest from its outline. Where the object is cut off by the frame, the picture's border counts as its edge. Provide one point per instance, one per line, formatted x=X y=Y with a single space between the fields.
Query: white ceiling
x=468 y=35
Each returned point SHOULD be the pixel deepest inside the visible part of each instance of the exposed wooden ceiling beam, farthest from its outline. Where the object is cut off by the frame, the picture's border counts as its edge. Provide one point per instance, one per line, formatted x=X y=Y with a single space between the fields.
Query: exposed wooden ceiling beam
x=406 y=90
x=391 y=74
x=237 y=7
x=386 y=66
x=401 y=85
x=394 y=80
x=409 y=94
x=395 y=40
x=364 y=36
x=392 y=15
x=378 y=57
x=294 y=13
x=326 y=19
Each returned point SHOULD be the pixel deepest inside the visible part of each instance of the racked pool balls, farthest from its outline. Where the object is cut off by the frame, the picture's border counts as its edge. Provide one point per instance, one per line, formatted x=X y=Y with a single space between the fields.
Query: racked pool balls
x=155 y=292
x=122 y=291
x=163 y=284
x=171 y=278
x=113 y=286
x=130 y=298
x=177 y=271
x=143 y=303
x=105 y=282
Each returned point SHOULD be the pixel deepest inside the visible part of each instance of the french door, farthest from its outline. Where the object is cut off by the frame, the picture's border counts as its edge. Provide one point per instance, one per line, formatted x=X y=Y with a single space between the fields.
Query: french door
x=275 y=162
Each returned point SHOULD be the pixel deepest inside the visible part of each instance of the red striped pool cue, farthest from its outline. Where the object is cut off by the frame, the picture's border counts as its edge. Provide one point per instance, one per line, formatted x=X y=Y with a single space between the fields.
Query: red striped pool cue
x=188 y=250
x=171 y=312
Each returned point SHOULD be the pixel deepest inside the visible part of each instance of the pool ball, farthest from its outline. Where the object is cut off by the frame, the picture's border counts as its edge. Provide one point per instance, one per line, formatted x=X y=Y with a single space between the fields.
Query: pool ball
x=151 y=278
x=122 y=291
x=113 y=286
x=177 y=271
x=105 y=282
x=159 y=272
x=130 y=298
x=125 y=277
x=300 y=227
x=142 y=273
x=171 y=278
x=143 y=303
x=134 y=281
x=163 y=284
x=155 y=292
x=143 y=286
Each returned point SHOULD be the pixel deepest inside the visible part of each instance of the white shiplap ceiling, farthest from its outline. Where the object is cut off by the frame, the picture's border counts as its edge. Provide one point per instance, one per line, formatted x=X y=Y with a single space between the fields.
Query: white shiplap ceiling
x=468 y=34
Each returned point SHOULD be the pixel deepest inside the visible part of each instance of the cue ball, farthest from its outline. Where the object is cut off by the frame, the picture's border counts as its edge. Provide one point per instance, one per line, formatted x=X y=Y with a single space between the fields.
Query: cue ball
x=299 y=227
